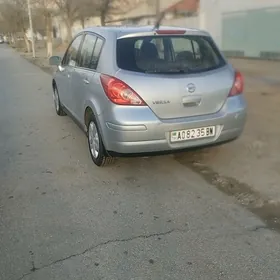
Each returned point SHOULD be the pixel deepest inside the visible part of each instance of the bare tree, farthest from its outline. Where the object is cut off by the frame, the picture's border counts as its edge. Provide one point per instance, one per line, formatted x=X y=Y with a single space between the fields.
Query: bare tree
x=5 y=27
x=79 y=10
x=109 y=8
x=105 y=7
x=87 y=9
x=46 y=9
x=159 y=15
x=69 y=11
x=14 y=12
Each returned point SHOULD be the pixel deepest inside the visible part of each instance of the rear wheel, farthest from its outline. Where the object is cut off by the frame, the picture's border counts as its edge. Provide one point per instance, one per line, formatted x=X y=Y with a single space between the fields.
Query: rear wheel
x=97 y=150
x=57 y=104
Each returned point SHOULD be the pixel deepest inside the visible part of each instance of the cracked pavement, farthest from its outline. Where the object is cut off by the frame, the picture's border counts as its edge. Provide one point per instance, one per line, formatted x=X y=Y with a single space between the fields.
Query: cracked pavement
x=62 y=218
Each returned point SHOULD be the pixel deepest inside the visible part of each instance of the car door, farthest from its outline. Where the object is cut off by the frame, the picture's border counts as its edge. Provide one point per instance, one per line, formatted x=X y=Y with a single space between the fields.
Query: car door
x=86 y=74
x=79 y=76
x=68 y=64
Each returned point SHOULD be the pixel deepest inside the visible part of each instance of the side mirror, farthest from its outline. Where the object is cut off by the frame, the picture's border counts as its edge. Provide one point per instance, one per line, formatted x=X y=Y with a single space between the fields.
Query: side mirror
x=54 y=60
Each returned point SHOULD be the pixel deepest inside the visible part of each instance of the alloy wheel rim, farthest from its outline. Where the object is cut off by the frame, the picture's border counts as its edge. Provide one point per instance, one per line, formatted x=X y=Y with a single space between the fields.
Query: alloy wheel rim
x=93 y=140
x=56 y=100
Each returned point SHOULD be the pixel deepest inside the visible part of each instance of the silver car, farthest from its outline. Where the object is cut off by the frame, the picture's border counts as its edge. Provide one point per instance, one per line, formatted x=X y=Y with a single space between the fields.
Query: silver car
x=140 y=90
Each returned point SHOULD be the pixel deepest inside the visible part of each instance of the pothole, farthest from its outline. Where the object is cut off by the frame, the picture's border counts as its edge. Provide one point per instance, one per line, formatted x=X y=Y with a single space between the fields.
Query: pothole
x=267 y=210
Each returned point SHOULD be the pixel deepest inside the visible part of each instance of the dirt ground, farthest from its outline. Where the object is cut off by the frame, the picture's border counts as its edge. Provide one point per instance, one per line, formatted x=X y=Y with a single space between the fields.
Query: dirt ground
x=251 y=163
x=254 y=159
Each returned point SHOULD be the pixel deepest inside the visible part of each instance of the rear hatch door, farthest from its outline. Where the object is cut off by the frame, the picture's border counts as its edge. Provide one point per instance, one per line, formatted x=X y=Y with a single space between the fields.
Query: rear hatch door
x=177 y=75
x=179 y=96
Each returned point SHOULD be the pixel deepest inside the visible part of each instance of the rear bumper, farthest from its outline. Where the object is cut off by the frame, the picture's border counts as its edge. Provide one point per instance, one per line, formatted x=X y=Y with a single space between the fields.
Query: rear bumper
x=151 y=134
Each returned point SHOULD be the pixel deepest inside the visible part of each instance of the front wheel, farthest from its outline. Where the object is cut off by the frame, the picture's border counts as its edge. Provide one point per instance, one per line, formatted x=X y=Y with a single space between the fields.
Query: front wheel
x=97 y=150
x=57 y=104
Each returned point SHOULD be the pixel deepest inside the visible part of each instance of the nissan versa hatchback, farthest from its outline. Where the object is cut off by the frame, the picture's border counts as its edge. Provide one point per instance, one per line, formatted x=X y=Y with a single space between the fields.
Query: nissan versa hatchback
x=139 y=90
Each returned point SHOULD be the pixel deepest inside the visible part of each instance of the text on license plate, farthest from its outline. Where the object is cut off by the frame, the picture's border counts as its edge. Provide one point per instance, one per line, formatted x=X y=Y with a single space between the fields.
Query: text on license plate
x=193 y=133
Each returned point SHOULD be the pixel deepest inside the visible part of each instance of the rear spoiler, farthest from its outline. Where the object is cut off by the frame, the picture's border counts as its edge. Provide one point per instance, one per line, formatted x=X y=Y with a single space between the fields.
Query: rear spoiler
x=165 y=32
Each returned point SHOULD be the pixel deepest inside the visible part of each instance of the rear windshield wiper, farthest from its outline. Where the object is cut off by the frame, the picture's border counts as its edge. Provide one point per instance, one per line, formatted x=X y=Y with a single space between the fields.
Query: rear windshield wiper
x=171 y=71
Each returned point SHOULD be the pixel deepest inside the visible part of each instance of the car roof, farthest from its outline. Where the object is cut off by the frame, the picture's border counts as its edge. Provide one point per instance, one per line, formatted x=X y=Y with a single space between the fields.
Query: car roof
x=112 y=33
x=119 y=30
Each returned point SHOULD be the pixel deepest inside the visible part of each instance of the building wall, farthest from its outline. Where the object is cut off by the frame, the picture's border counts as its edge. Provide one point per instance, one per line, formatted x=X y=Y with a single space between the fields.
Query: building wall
x=77 y=26
x=234 y=23
x=188 y=22
x=253 y=33
x=211 y=12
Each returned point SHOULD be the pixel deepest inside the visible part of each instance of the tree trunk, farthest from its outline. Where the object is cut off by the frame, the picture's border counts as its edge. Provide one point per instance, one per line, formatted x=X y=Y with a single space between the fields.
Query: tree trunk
x=69 y=29
x=13 y=40
x=49 y=34
x=104 y=11
x=28 y=48
x=102 y=18
x=10 y=38
x=83 y=22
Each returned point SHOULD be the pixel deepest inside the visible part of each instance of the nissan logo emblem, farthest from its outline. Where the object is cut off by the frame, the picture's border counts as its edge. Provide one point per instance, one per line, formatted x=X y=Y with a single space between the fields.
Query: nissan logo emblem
x=191 y=88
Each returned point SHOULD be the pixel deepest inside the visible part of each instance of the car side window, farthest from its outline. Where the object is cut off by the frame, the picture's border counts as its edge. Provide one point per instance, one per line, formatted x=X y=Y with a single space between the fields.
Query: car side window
x=87 y=51
x=96 y=53
x=71 y=57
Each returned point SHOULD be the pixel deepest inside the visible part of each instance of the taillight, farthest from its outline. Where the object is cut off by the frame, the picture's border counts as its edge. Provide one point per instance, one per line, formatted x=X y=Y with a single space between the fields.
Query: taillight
x=119 y=92
x=238 y=85
x=170 y=32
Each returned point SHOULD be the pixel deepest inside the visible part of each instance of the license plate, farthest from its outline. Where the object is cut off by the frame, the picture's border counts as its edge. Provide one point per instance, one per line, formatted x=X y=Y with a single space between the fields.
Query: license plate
x=192 y=134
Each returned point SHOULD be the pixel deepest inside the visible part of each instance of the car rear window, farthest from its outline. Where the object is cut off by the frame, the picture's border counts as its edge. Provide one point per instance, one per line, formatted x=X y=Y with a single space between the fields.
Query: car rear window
x=168 y=54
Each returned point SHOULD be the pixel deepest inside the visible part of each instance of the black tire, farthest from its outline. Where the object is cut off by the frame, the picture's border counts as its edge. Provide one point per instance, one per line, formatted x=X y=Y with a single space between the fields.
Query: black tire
x=57 y=104
x=102 y=158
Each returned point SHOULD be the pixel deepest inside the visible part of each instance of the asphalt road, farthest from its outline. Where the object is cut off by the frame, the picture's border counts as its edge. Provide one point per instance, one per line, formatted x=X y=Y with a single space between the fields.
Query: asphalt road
x=62 y=218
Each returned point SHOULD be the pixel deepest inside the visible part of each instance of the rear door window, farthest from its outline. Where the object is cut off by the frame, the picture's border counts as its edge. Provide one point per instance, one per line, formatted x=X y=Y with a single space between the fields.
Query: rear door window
x=168 y=54
x=87 y=51
x=97 y=52
x=90 y=52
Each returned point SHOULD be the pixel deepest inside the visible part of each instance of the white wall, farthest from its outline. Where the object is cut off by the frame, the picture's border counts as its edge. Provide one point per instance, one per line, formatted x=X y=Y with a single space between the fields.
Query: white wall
x=90 y=22
x=188 y=22
x=210 y=15
x=239 y=5
x=77 y=26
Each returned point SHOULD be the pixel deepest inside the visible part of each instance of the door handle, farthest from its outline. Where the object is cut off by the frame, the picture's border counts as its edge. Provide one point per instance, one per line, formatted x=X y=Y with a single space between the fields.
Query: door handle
x=86 y=81
x=191 y=101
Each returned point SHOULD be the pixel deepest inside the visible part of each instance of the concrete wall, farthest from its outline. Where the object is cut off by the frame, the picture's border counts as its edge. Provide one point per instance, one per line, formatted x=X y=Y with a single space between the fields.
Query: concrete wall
x=77 y=26
x=189 y=22
x=253 y=33
x=211 y=13
x=94 y=21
